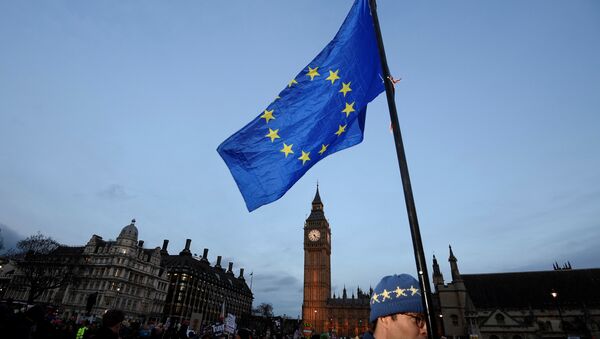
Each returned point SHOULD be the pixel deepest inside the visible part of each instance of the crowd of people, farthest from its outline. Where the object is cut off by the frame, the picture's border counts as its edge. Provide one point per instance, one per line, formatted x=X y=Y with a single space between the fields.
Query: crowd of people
x=397 y=312
x=38 y=322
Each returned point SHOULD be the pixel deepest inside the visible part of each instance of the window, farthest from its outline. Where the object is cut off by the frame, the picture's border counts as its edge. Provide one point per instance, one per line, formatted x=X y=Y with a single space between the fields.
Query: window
x=454 y=319
x=499 y=319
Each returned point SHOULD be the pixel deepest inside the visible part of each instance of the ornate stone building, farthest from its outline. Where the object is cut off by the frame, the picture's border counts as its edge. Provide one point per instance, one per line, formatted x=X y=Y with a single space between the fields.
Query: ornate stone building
x=560 y=303
x=200 y=292
x=124 y=274
x=147 y=284
x=109 y=274
x=320 y=311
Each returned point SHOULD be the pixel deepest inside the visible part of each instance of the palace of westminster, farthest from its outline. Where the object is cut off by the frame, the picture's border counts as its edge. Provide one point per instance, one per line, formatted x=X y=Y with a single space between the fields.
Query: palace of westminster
x=152 y=284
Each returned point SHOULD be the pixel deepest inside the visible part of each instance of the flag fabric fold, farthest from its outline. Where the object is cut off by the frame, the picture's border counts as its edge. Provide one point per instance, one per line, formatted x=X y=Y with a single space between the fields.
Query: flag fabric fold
x=319 y=112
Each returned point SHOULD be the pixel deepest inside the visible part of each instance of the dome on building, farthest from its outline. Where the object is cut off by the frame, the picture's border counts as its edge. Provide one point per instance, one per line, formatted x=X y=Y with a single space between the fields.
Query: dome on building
x=129 y=232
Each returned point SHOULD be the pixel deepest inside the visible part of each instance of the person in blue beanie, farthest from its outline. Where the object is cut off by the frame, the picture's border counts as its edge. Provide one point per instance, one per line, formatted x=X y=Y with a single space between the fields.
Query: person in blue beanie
x=397 y=309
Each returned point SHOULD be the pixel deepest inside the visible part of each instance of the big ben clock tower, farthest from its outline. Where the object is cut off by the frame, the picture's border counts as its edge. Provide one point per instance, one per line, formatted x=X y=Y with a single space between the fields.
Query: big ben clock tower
x=317 y=268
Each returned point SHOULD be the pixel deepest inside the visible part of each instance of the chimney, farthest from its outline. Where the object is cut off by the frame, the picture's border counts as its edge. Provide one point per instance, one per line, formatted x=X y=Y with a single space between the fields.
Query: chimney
x=229 y=270
x=141 y=243
x=186 y=250
x=218 y=264
x=241 y=274
x=164 y=247
x=205 y=256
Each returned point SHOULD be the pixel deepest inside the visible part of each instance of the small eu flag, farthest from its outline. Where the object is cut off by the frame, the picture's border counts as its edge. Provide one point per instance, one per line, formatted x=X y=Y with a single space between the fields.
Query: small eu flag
x=320 y=111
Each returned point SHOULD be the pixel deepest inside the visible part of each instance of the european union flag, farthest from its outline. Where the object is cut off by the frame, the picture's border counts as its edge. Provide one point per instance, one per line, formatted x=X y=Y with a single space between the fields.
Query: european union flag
x=321 y=111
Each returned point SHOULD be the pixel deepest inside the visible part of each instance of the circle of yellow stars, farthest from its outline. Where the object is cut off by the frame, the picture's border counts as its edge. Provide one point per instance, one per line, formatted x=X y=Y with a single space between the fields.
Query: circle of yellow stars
x=312 y=73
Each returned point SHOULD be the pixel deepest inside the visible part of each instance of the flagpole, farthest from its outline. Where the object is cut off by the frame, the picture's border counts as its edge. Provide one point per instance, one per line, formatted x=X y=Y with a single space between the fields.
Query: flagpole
x=408 y=195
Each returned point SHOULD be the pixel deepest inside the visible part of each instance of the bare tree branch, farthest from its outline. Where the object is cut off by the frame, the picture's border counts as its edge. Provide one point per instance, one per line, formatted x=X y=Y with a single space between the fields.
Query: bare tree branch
x=41 y=267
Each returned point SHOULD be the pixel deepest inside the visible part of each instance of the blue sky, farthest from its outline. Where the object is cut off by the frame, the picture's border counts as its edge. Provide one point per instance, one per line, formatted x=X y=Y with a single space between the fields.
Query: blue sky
x=113 y=110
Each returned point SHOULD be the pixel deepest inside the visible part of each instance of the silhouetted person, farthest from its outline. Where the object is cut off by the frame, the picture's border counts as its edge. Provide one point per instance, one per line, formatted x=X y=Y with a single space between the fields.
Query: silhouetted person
x=111 y=325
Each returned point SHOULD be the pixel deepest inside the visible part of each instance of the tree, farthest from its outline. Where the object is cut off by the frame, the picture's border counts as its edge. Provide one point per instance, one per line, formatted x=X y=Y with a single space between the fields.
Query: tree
x=41 y=267
x=264 y=310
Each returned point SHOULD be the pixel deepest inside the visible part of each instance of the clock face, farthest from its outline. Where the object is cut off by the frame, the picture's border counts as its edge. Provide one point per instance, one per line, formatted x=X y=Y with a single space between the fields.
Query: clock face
x=314 y=235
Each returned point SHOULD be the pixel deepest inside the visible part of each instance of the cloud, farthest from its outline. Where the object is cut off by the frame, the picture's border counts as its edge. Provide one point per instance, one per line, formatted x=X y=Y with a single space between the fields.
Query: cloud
x=115 y=192
x=9 y=237
x=280 y=289
x=274 y=281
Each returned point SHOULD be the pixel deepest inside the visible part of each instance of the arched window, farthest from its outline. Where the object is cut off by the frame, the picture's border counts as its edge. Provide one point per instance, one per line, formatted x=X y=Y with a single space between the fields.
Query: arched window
x=499 y=319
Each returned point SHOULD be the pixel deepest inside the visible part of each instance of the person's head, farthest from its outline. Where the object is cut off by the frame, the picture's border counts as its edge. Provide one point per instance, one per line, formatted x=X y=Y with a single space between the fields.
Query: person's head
x=397 y=308
x=112 y=319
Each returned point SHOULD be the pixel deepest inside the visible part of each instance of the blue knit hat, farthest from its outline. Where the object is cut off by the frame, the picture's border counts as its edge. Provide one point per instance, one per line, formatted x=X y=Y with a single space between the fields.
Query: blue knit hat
x=396 y=294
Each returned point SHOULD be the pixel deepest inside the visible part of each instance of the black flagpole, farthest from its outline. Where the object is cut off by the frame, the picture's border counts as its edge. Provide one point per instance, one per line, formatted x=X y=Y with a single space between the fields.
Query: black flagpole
x=408 y=195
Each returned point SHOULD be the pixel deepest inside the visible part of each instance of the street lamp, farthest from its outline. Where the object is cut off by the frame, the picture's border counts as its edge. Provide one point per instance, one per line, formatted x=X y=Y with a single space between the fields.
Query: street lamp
x=554 y=295
x=116 y=296
x=441 y=328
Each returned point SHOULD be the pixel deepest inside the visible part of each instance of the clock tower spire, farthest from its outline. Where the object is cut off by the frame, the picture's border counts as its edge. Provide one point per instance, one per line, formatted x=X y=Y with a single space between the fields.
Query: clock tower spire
x=317 y=207
x=317 y=267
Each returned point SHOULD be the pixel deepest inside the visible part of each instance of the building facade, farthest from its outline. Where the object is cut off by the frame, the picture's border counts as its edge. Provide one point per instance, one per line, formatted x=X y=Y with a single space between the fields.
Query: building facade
x=561 y=303
x=148 y=284
x=202 y=293
x=322 y=312
x=118 y=274
x=42 y=275
x=7 y=270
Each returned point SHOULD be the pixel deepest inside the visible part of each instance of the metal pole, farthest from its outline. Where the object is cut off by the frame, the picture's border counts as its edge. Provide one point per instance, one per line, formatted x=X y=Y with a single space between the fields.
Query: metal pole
x=408 y=195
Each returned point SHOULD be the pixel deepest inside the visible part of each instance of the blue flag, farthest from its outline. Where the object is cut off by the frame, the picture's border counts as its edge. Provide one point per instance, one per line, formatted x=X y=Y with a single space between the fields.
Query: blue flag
x=320 y=111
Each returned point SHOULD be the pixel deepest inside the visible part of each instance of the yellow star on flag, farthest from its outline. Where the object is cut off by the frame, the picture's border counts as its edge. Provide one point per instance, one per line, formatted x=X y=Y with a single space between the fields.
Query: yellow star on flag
x=400 y=292
x=292 y=82
x=333 y=76
x=349 y=109
x=323 y=149
x=304 y=157
x=374 y=298
x=287 y=149
x=341 y=130
x=385 y=294
x=414 y=290
x=268 y=115
x=345 y=88
x=312 y=73
x=273 y=134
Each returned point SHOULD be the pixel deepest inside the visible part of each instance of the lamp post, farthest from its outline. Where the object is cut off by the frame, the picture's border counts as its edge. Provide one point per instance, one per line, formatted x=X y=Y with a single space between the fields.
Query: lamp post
x=554 y=295
x=116 y=296
x=360 y=329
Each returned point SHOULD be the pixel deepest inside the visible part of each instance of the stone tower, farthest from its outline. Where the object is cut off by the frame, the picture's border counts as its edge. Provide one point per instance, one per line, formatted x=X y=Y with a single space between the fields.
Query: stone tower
x=317 y=267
